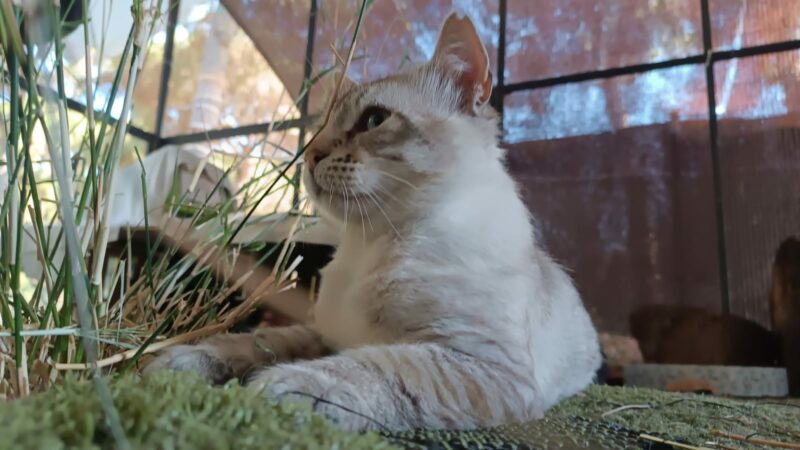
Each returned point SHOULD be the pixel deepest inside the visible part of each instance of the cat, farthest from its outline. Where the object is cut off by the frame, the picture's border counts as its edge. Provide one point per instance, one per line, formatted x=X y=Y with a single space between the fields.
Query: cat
x=440 y=309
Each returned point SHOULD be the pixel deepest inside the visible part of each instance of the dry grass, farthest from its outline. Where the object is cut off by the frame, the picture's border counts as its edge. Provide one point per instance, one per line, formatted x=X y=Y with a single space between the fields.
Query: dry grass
x=92 y=310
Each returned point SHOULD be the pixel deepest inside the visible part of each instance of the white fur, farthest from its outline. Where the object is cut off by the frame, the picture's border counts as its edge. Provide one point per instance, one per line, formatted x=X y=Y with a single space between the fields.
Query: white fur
x=444 y=310
x=466 y=250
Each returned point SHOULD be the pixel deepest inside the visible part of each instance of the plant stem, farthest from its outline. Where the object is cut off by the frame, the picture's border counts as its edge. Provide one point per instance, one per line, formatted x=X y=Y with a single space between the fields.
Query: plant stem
x=108 y=181
x=61 y=165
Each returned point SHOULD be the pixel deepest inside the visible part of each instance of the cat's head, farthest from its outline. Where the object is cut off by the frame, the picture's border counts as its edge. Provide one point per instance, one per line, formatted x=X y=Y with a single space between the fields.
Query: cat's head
x=388 y=140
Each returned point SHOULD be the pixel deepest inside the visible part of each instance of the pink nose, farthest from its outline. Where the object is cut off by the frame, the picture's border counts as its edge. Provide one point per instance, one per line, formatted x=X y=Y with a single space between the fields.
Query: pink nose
x=314 y=155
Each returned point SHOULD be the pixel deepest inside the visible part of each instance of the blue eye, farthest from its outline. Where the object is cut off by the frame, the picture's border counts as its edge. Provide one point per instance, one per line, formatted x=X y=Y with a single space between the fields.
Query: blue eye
x=376 y=119
x=371 y=118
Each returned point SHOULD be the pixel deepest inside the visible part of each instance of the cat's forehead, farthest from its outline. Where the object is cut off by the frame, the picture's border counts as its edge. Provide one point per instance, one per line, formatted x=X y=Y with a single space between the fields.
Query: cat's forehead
x=389 y=92
x=352 y=97
x=426 y=91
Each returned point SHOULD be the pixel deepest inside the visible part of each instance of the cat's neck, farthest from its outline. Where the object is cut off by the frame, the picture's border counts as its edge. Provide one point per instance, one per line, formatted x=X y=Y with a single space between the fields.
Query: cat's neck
x=482 y=205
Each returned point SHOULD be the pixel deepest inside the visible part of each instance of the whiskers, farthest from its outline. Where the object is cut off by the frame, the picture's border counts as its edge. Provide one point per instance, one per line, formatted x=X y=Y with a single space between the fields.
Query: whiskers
x=376 y=201
x=359 y=197
x=346 y=204
x=361 y=213
x=396 y=178
x=382 y=189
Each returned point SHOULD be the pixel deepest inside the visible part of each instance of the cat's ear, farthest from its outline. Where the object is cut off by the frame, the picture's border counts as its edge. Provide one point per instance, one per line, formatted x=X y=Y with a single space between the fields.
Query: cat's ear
x=460 y=47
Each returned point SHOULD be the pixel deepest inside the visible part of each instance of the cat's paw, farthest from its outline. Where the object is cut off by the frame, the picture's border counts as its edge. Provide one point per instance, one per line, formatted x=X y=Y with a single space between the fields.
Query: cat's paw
x=337 y=399
x=201 y=360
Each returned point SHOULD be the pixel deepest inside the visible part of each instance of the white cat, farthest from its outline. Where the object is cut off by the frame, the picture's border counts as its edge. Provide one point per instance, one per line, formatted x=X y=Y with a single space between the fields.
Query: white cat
x=439 y=309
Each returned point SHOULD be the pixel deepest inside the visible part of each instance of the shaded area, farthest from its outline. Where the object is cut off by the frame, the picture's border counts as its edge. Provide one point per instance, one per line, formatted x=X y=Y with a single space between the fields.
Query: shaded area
x=618 y=174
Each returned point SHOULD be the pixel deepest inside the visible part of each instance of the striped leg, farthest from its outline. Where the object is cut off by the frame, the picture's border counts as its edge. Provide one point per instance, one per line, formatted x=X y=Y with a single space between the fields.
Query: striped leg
x=403 y=386
x=226 y=356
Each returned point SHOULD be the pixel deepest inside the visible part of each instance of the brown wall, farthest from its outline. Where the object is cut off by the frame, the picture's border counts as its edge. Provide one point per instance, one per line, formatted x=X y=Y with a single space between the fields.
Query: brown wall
x=631 y=213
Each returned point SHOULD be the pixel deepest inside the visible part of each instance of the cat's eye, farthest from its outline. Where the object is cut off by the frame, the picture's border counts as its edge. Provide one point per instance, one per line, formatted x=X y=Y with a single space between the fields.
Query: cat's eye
x=371 y=118
x=376 y=119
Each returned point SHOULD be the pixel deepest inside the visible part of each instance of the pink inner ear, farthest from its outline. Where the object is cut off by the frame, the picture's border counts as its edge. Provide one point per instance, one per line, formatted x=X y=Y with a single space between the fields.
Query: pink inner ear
x=459 y=39
x=487 y=88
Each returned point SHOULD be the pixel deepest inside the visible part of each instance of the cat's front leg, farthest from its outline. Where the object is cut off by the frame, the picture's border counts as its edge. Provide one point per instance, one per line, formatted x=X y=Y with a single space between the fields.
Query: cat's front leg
x=226 y=356
x=404 y=386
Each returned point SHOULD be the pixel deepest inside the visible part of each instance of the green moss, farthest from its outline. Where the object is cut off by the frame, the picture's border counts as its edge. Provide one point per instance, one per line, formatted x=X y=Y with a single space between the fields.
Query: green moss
x=169 y=411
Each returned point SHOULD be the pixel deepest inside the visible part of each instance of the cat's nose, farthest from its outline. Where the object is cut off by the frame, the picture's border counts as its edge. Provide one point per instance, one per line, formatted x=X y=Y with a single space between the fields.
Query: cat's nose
x=314 y=155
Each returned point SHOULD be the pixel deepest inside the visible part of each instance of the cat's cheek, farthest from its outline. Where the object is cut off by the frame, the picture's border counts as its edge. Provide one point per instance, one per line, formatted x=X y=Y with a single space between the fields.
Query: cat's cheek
x=311 y=186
